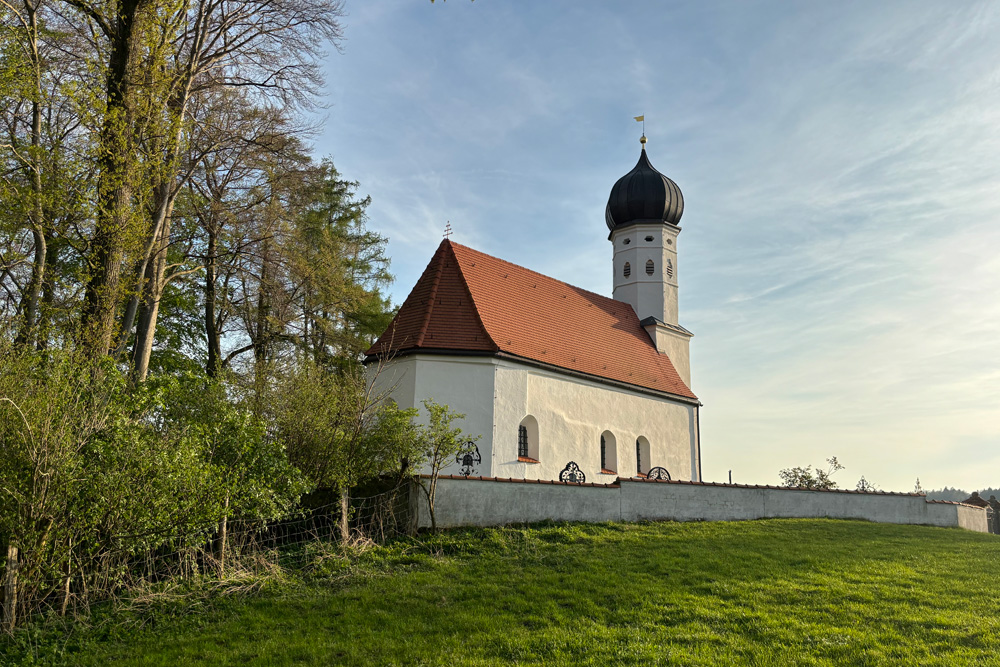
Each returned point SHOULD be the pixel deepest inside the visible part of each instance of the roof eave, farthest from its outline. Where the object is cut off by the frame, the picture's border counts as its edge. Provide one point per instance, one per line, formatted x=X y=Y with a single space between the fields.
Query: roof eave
x=500 y=354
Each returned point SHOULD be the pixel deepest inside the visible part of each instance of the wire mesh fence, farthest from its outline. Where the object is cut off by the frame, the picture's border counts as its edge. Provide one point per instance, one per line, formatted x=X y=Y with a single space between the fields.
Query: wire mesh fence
x=235 y=552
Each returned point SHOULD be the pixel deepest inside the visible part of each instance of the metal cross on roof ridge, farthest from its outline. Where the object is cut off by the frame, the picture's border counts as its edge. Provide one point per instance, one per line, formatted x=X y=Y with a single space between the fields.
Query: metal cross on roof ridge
x=447 y=230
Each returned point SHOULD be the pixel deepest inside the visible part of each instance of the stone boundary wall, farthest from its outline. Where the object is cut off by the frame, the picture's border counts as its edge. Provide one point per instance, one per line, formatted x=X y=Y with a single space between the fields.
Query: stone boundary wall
x=477 y=501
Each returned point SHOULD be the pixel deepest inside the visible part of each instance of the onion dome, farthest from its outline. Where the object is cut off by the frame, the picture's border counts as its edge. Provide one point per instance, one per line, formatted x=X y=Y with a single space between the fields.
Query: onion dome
x=644 y=195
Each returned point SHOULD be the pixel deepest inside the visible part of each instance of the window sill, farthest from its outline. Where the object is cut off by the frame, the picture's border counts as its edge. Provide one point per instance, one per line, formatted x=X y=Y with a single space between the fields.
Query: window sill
x=527 y=459
x=605 y=471
x=642 y=475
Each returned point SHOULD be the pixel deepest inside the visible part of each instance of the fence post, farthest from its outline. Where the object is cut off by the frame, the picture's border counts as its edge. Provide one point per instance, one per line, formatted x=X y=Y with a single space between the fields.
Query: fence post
x=10 y=590
x=220 y=542
x=345 y=507
x=413 y=499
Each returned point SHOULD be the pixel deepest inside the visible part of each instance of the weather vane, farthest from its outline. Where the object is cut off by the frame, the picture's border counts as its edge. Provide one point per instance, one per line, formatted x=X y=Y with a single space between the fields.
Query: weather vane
x=447 y=230
x=642 y=119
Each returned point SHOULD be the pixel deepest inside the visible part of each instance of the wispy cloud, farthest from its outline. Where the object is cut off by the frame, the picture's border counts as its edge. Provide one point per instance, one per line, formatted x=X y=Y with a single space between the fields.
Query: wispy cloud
x=840 y=164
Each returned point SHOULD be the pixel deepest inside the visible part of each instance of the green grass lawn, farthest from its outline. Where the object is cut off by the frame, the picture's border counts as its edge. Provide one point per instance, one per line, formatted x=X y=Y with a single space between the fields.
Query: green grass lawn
x=796 y=592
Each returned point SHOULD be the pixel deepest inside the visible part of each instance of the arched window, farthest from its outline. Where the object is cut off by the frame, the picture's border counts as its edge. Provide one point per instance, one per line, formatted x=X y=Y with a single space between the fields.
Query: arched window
x=628 y=270
x=527 y=440
x=641 y=455
x=649 y=267
x=609 y=453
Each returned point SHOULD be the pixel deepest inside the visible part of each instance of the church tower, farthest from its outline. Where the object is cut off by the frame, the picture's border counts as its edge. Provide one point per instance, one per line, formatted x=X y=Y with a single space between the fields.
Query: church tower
x=643 y=215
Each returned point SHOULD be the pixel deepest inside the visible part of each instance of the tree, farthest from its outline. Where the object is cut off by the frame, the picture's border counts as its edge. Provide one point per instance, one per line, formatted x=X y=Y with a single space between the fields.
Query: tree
x=443 y=443
x=339 y=431
x=248 y=467
x=866 y=487
x=807 y=478
x=338 y=269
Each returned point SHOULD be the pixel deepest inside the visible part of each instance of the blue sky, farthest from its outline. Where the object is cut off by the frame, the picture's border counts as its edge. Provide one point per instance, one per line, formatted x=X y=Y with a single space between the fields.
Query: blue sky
x=840 y=164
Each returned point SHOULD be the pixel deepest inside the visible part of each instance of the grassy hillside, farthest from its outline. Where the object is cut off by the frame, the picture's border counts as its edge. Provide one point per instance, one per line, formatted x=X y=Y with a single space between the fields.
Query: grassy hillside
x=802 y=592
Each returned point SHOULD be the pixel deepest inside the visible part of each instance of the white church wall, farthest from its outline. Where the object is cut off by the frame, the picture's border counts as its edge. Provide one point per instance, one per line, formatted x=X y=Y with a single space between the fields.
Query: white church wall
x=464 y=384
x=475 y=502
x=573 y=412
x=511 y=383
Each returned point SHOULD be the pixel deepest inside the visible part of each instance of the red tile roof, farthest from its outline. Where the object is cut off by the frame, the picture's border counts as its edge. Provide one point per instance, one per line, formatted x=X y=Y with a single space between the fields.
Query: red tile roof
x=467 y=301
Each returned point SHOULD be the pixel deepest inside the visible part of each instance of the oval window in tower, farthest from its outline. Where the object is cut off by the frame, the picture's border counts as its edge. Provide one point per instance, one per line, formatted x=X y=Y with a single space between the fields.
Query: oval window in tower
x=627 y=270
x=649 y=267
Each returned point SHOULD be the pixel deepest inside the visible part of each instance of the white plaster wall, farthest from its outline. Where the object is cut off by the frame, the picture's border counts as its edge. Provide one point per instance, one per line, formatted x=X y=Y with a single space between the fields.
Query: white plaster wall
x=476 y=503
x=655 y=501
x=464 y=384
x=678 y=348
x=572 y=413
x=971 y=518
x=483 y=503
x=497 y=394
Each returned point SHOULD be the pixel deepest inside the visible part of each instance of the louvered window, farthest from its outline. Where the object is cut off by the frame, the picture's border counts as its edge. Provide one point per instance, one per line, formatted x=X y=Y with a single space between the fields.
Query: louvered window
x=638 y=457
x=649 y=268
x=628 y=270
x=604 y=454
x=522 y=441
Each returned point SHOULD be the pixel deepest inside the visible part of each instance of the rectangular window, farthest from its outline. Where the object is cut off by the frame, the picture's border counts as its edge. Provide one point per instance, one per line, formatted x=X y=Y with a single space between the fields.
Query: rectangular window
x=638 y=457
x=604 y=454
x=522 y=441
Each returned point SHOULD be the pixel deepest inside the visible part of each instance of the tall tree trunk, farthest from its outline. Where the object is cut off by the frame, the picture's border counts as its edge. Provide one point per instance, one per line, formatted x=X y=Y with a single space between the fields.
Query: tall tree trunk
x=114 y=188
x=29 y=311
x=48 y=293
x=10 y=590
x=262 y=338
x=213 y=366
x=164 y=192
x=154 y=286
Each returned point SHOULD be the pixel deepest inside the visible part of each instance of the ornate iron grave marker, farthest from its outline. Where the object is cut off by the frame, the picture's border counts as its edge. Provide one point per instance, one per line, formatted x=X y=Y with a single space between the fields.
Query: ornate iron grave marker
x=572 y=473
x=469 y=459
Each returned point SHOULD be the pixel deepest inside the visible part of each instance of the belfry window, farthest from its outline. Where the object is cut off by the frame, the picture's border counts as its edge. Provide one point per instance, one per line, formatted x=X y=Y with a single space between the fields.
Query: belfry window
x=649 y=267
x=628 y=270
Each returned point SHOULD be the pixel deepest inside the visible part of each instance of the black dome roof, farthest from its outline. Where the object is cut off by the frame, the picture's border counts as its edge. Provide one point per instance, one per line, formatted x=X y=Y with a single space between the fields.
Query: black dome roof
x=644 y=195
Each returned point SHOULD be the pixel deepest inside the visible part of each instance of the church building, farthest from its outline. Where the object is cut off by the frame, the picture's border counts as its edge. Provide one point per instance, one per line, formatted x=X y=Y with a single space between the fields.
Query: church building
x=559 y=383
